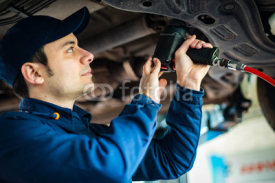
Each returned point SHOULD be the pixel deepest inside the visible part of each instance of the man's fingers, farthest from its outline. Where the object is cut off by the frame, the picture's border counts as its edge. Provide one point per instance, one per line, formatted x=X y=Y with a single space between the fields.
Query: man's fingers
x=184 y=47
x=199 y=44
x=207 y=45
x=147 y=66
x=196 y=43
x=156 y=69
x=160 y=74
x=162 y=85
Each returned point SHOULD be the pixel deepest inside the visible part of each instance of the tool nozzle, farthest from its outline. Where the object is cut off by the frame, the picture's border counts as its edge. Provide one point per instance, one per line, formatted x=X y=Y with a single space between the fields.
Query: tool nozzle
x=229 y=64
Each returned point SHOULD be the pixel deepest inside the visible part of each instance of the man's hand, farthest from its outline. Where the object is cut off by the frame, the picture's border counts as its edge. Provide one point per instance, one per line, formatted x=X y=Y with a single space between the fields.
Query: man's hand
x=190 y=75
x=150 y=84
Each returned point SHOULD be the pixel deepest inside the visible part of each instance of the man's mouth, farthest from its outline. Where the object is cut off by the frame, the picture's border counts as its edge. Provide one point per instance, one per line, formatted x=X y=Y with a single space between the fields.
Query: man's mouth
x=89 y=73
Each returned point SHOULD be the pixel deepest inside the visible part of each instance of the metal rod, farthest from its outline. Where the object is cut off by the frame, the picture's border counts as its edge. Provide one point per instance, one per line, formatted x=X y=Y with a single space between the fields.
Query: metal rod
x=36 y=5
x=9 y=19
x=18 y=12
x=6 y=12
x=42 y=6
x=21 y=3
x=10 y=22
x=120 y=35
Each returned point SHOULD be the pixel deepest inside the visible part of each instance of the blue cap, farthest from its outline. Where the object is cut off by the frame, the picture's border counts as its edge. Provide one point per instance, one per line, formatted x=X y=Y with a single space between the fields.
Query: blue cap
x=27 y=36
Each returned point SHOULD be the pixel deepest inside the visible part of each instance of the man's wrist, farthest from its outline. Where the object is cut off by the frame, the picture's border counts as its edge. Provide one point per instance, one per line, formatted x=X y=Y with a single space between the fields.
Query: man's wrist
x=141 y=98
x=188 y=95
x=152 y=98
x=190 y=85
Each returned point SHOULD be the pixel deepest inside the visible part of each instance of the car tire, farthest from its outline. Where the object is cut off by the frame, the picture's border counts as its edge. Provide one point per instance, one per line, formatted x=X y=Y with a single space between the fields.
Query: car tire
x=266 y=96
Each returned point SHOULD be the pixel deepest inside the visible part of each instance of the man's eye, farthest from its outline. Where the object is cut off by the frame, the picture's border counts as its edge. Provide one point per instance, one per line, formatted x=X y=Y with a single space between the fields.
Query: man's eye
x=71 y=49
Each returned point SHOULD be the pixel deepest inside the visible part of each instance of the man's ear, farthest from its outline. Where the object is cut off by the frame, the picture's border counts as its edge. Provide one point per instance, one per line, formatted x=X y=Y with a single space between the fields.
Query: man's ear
x=32 y=72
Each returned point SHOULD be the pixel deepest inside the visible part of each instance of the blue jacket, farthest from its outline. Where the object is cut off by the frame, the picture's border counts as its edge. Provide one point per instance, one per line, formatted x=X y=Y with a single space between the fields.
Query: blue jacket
x=34 y=147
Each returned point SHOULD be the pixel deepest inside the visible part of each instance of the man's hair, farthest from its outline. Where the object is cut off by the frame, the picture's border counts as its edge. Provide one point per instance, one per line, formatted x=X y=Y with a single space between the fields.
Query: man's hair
x=20 y=87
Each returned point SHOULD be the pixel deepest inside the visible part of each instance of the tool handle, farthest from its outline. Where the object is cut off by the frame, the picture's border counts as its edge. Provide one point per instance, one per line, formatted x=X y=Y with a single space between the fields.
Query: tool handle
x=204 y=55
x=171 y=39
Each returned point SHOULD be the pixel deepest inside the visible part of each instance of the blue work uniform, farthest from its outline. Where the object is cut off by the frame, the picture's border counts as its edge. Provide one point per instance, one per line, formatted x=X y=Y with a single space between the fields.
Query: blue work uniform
x=36 y=147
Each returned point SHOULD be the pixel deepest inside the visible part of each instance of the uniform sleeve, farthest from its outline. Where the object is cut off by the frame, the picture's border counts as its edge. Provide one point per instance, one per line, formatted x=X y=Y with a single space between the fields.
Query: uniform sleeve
x=174 y=154
x=31 y=151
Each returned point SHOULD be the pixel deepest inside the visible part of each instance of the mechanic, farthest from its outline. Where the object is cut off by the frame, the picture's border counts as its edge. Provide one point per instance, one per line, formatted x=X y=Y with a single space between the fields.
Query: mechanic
x=52 y=140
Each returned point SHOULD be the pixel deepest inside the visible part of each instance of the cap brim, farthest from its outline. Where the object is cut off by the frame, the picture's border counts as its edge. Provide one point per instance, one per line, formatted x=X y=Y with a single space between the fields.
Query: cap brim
x=75 y=23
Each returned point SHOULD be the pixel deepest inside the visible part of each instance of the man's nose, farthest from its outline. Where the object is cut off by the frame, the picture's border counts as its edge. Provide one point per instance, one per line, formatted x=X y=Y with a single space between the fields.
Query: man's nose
x=87 y=57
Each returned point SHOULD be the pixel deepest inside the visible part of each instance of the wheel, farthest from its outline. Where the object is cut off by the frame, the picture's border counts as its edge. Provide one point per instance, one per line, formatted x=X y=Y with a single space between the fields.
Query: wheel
x=266 y=96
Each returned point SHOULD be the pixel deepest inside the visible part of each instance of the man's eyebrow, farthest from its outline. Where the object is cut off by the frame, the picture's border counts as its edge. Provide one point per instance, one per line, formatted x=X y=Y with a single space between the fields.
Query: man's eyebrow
x=67 y=43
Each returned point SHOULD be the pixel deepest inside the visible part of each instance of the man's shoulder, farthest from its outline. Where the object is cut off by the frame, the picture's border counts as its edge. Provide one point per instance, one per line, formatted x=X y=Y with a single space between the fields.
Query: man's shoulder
x=14 y=116
x=18 y=123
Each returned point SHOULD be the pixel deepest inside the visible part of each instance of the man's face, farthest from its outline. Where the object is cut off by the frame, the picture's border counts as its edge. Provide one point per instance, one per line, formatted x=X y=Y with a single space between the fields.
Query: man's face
x=70 y=66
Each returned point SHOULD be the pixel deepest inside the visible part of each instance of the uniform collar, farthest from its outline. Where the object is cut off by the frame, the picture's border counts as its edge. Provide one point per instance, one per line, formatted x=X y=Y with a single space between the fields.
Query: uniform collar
x=33 y=105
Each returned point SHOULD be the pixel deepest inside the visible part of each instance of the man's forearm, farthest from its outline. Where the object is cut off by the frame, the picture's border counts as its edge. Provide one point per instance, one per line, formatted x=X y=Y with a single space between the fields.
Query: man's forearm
x=174 y=154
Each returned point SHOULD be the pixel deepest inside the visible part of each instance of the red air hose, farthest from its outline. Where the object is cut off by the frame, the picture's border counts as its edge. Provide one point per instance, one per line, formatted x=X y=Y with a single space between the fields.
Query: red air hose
x=260 y=74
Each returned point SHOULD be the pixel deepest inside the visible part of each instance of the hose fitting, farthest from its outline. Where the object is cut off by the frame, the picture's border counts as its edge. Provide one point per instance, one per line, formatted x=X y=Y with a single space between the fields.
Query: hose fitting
x=229 y=64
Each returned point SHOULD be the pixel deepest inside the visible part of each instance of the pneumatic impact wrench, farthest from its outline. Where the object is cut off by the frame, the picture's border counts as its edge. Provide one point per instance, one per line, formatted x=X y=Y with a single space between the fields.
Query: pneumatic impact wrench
x=172 y=38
